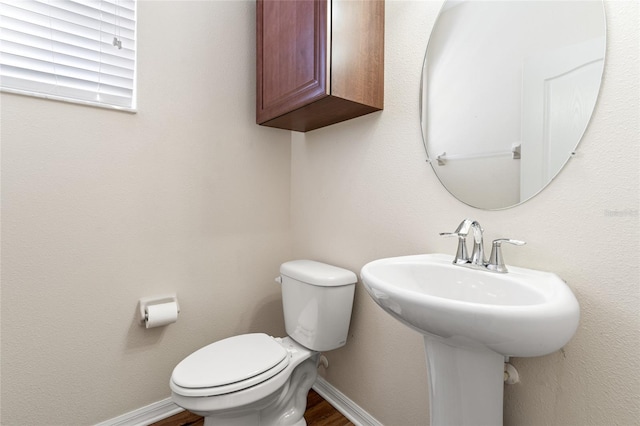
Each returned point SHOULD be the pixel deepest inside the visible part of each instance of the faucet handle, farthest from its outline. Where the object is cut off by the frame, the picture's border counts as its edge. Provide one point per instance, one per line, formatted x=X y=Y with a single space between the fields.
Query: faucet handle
x=499 y=241
x=496 y=261
x=461 y=253
x=465 y=227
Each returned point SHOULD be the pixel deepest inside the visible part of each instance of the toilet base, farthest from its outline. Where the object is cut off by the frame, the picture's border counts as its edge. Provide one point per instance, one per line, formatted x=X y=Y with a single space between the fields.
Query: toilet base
x=244 y=421
x=285 y=407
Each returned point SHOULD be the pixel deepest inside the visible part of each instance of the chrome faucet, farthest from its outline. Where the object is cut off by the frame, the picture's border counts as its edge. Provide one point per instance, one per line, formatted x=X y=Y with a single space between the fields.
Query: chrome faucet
x=477 y=260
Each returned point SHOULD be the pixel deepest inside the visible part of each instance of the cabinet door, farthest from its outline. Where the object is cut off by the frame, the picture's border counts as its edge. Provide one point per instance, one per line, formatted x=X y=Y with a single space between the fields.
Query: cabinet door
x=291 y=55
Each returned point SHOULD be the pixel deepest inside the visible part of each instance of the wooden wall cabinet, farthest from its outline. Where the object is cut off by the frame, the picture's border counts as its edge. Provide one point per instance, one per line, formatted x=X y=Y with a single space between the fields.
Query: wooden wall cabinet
x=319 y=62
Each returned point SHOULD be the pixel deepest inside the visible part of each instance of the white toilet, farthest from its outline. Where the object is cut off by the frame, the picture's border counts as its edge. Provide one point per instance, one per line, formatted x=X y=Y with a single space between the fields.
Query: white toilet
x=255 y=379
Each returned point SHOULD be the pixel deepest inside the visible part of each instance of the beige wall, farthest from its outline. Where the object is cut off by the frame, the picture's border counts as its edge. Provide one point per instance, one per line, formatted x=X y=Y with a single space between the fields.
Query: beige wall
x=361 y=190
x=100 y=208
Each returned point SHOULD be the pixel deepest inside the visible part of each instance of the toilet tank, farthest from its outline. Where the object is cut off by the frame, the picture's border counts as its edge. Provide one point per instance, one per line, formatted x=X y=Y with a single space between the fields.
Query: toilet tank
x=317 y=299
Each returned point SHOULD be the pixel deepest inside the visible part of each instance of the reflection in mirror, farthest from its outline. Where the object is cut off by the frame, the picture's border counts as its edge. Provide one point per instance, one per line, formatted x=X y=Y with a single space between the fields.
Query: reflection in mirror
x=508 y=88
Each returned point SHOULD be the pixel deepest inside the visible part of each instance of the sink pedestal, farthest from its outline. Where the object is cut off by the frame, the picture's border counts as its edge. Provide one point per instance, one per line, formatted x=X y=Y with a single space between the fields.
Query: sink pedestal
x=465 y=384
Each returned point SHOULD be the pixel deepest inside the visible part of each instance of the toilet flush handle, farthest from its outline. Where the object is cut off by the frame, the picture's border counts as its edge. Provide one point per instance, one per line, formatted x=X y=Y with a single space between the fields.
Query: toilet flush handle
x=278 y=279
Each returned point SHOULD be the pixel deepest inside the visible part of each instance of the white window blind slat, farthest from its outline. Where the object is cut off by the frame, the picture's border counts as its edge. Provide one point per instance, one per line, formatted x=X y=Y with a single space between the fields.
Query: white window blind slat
x=15 y=28
x=96 y=75
x=66 y=12
x=38 y=49
x=76 y=50
x=61 y=85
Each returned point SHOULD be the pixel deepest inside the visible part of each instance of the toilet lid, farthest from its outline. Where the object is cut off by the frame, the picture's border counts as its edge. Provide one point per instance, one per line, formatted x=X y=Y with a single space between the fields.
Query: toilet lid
x=232 y=360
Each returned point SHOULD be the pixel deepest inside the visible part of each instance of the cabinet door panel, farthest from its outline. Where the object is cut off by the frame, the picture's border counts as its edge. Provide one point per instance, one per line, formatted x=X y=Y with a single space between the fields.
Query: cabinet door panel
x=291 y=60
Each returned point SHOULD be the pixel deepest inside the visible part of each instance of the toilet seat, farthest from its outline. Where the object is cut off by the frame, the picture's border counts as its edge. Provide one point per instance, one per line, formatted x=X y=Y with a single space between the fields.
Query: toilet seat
x=230 y=365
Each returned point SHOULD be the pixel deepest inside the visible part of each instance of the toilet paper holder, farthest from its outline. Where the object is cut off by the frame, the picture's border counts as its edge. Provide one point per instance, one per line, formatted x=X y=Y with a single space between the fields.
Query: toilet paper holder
x=158 y=300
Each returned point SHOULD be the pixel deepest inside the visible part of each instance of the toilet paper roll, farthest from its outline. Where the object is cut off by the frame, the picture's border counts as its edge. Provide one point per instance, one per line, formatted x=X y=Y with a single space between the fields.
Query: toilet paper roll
x=161 y=314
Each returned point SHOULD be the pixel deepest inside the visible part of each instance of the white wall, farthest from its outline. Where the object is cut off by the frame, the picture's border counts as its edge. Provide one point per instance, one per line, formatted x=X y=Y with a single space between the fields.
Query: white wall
x=361 y=190
x=100 y=208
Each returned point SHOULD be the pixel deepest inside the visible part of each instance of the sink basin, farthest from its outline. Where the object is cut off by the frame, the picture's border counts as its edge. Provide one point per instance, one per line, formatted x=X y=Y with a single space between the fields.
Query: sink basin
x=471 y=319
x=521 y=313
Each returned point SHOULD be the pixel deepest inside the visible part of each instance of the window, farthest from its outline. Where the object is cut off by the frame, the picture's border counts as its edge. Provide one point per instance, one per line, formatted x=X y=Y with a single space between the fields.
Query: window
x=73 y=50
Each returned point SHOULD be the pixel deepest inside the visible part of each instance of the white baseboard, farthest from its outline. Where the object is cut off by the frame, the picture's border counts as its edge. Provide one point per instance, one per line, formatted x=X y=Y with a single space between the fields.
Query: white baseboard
x=166 y=408
x=146 y=415
x=342 y=403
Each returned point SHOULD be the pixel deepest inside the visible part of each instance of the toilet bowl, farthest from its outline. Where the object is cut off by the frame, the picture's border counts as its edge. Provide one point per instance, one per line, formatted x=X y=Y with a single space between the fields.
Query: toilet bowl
x=270 y=389
x=257 y=380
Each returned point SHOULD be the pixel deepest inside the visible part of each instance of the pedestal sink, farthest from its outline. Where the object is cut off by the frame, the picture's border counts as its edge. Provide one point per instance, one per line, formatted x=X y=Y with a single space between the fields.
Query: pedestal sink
x=471 y=320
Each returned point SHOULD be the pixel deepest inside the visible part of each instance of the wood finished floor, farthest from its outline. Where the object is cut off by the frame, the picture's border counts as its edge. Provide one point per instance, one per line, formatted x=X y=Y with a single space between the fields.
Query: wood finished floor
x=318 y=413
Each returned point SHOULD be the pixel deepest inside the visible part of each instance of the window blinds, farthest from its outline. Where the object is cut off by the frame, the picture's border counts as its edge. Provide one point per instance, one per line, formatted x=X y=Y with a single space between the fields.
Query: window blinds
x=76 y=50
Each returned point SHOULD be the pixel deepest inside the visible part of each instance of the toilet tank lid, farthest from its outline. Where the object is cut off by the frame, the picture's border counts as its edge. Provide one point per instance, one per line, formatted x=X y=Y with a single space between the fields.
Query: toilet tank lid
x=317 y=273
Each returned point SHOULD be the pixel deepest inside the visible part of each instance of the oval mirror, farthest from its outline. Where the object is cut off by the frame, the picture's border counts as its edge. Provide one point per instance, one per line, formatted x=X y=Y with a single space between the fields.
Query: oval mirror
x=508 y=88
